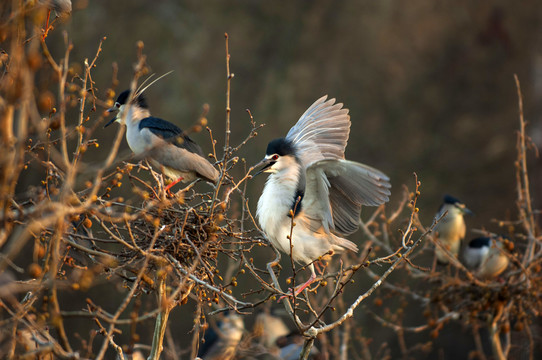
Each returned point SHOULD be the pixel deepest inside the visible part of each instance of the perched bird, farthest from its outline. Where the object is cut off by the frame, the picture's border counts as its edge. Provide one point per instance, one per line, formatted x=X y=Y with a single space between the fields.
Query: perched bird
x=222 y=344
x=311 y=181
x=268 y=328
x=486 y=257
x=291 y=346
x=165 y=145
x=451 y=228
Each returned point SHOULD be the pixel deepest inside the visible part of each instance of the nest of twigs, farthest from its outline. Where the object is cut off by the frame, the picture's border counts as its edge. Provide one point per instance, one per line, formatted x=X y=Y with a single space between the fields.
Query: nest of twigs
x=478 y=300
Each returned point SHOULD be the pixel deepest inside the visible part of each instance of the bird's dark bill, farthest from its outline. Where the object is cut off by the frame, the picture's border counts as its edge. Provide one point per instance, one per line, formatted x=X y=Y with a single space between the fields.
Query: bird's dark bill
x=266 y=163
x=110 y=122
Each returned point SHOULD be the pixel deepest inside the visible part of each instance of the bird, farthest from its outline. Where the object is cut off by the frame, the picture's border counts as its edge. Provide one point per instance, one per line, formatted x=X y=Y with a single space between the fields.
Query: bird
x=223 y=343
x=291 y=347
x=268 y=327
x=451 y=228
x=486 y=256
x=164 y=144
x=312 y=184
x=59 y=6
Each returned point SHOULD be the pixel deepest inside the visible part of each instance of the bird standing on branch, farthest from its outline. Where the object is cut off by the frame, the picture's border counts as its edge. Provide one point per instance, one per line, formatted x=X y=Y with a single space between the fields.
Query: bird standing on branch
x=312 y=185
x=165 y=145
x=451 y=228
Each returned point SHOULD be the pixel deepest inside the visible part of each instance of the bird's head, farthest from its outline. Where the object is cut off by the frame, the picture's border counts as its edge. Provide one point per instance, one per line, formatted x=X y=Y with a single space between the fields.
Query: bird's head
x=123 y=100
x=280 y=155
x=479 y=243
x=455 y=206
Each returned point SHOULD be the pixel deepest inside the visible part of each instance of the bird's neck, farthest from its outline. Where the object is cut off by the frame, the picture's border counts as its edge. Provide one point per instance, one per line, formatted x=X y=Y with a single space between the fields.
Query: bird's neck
x=279 y=196
x=136 y=142
x=136 y=114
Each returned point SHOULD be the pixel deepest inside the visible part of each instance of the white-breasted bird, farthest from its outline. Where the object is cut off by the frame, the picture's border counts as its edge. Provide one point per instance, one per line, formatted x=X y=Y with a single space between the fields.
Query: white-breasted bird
x=164 y=144
x=311 y=181
x=451 y=229
x=485 y=256
x=223 y=343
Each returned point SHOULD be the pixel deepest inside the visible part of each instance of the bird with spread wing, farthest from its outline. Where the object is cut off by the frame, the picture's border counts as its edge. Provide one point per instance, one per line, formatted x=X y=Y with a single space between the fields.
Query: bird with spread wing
x=311 y=181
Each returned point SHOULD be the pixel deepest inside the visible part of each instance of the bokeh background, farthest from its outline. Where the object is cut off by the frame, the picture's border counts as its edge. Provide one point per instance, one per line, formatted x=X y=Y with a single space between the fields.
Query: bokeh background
x=429 y=84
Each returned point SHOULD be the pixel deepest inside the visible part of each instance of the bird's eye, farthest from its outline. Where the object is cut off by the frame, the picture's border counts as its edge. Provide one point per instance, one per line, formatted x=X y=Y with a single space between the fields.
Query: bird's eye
x=275 y=157
x=117 y=105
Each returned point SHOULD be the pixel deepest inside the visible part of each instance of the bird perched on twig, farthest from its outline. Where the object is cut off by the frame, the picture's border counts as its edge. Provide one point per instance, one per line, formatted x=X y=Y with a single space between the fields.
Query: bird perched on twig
x=165 y=145
x=311 y=182
x=451 y=229
x=486 y=256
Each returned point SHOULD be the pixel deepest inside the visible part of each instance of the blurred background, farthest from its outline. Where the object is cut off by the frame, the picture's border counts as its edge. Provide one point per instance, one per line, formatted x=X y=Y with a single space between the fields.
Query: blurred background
x=429 y=85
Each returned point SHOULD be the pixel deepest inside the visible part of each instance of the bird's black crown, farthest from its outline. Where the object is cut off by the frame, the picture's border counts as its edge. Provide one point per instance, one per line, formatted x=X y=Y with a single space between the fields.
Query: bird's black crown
x=281 y=147
x=479 y=243
x=139 y=100
x=451 y=200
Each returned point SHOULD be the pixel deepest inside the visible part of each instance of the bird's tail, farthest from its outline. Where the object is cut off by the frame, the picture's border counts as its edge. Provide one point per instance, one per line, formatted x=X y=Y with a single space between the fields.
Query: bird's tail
x=340 y=244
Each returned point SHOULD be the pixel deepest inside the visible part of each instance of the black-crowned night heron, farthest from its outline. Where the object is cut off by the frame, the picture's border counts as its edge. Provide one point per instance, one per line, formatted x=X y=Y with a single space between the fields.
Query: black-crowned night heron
x=222 y=343
x=165 y=145
x=291 y=346
x=451 y=229
x=311 y=181
x=486 y=257
x=268 y=328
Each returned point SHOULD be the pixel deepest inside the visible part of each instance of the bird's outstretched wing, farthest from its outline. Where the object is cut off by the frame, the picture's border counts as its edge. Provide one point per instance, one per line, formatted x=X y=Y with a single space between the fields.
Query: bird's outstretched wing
x=321 y=132
x=336 y=188
x=336 y=191
x=170 y=133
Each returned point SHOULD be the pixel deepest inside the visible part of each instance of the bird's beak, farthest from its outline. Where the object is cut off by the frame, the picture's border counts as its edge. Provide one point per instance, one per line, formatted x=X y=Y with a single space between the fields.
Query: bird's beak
x=110 y=110
x=266 y=163
x=468 y=212
x=110 y=122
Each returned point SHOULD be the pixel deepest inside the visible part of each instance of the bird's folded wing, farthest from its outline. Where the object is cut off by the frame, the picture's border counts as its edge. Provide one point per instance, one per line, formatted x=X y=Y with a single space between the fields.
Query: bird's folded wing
x=336 y=191
x=170 y=133
x=321 y=132
x=180 y=159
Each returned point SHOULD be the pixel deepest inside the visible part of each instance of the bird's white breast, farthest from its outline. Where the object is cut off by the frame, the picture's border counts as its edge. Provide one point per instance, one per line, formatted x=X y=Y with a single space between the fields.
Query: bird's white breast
x=135 y=140
x=275 y=204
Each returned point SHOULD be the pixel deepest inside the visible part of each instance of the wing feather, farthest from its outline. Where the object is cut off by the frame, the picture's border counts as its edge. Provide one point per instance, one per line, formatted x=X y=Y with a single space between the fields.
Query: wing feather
x=321 y=132
x=337 y=189
x=170 y=133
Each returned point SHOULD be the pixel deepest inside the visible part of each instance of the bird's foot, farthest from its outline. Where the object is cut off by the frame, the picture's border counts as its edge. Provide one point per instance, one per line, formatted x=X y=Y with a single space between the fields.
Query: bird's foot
x=317 y=265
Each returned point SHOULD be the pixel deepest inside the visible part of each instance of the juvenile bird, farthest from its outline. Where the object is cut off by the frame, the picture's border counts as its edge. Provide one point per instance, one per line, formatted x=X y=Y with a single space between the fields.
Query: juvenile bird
x=451 y=229
x=165 y=145
x=311 y=181
x=485 y=255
